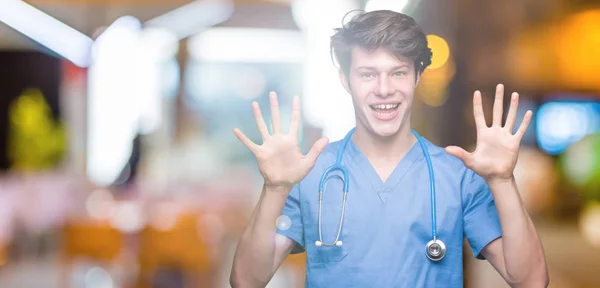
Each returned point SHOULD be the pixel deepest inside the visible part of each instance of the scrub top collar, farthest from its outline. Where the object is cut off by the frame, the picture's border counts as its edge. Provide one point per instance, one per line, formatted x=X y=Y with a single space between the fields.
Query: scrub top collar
x=384 y=189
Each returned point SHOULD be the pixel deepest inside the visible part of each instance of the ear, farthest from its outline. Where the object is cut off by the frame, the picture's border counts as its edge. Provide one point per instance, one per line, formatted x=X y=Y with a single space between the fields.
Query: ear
x=344 y=80
x=418 y=79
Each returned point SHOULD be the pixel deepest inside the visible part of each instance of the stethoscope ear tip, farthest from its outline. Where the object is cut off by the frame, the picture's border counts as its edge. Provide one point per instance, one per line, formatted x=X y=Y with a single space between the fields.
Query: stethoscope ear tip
x=338 y=243
x=318 y=243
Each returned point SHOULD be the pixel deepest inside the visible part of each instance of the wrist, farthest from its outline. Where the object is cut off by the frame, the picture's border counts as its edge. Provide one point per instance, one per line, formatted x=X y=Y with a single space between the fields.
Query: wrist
x=277 y=189
x=500 y=182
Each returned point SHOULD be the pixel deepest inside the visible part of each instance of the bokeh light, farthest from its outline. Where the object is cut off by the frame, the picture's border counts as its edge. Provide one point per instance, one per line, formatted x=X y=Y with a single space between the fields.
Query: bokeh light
x=440 y=49
x=581 y=166
x=164 y=215
x=284 y=222
x=576 y=46
x=128 y=217
x=560 y=124
x=100 y=204
x=98 y=278
x=589 y=223
x=559 y=55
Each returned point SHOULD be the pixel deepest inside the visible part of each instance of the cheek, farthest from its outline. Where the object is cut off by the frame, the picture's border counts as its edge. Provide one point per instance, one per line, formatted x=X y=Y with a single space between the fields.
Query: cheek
x=407 y=88
x=360 y=90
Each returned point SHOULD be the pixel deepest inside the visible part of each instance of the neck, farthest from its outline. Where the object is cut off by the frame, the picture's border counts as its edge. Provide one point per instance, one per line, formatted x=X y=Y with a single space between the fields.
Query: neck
x=391 y=148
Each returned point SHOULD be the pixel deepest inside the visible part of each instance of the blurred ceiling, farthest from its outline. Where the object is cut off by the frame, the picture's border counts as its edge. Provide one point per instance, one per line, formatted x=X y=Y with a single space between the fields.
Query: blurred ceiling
x=87 y=16
x=520 y=33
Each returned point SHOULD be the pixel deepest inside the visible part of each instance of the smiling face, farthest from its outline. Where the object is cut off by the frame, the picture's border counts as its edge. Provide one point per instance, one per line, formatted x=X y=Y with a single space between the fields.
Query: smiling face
x=382 y=86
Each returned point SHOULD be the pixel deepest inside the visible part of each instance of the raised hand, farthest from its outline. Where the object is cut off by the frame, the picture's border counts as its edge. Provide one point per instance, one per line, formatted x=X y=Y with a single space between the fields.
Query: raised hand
x=497 y=148
x=280 y=160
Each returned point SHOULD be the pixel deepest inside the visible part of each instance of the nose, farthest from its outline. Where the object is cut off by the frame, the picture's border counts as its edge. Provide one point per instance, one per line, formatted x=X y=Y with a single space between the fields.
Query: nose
x=384 y=87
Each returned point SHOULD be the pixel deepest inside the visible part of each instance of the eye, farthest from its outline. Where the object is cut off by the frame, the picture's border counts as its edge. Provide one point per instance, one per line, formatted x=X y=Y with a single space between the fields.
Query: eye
x=400 y=74
x=367 y=75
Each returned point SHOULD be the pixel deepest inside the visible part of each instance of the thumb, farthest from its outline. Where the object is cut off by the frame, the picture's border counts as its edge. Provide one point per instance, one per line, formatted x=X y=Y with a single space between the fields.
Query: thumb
x=316 y=149
x=457 y=152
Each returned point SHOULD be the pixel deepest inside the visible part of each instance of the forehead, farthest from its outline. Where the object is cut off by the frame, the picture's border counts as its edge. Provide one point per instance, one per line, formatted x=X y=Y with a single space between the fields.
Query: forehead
x=381 y=58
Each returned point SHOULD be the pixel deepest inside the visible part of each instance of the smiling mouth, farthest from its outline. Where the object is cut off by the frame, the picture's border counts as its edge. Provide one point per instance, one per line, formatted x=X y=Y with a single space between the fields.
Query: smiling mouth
x=385 y=109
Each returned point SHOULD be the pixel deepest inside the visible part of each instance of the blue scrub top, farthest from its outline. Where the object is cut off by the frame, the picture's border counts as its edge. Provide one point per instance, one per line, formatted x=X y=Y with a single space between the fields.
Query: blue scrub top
x=387 y=224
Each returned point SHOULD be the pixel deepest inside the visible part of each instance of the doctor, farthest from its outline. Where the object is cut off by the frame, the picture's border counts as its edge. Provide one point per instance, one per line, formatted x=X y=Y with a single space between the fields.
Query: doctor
x=377 y=236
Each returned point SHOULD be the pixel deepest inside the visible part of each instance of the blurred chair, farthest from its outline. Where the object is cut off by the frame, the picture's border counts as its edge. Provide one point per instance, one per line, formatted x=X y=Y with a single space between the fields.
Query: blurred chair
x=95 y=241
x=179 y=250
x=297 y=263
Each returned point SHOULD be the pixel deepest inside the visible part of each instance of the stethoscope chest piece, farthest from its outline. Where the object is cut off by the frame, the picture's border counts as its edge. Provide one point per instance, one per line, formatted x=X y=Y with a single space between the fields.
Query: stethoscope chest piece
x=435 y=250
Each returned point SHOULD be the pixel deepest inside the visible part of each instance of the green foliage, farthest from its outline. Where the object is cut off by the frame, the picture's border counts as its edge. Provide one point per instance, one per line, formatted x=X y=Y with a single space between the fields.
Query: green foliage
x=35 y=141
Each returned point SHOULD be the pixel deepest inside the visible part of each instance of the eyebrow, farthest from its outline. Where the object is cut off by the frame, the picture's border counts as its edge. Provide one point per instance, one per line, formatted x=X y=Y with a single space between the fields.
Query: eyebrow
x=375 y=68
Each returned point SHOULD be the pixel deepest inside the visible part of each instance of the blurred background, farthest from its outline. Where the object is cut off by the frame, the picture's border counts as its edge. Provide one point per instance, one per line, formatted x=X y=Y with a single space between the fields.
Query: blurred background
x=119 y=168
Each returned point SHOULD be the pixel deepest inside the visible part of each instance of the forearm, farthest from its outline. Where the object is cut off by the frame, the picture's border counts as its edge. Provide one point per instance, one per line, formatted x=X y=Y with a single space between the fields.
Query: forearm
x=254 y=258
x=523 y=253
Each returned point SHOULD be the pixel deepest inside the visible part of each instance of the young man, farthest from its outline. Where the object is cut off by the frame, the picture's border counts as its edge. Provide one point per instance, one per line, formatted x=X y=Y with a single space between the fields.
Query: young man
x=388 y=213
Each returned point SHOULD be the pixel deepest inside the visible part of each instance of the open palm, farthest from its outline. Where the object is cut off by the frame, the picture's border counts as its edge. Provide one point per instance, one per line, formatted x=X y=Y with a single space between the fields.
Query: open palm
x=280 y=160
x=495 y=155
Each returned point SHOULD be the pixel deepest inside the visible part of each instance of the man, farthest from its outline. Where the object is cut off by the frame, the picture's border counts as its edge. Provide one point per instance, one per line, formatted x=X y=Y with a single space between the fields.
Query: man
x=388 y=217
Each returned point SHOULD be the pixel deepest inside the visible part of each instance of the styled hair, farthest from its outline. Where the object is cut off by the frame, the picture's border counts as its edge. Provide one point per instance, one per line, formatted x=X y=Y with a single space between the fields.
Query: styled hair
x=381 y=29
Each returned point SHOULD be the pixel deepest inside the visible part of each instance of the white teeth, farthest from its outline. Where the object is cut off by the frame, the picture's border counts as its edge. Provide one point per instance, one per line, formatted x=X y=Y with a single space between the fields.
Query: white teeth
x=385 y=106
x=384 y=114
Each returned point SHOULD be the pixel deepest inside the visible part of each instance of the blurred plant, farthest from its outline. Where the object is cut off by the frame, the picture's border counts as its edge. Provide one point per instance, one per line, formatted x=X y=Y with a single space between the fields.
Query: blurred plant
x=581 y=166
x=35 y=141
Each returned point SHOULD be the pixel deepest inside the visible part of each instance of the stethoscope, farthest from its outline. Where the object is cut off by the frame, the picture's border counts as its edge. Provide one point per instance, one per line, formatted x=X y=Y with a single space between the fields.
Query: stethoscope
x=435 y=249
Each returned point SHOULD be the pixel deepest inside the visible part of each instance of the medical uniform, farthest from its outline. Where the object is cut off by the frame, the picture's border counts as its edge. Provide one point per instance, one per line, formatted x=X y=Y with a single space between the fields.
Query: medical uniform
x=387 y=224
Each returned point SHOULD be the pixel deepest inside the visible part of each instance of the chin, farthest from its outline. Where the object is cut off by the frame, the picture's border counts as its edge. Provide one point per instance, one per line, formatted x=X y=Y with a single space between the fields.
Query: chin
x=385 y=130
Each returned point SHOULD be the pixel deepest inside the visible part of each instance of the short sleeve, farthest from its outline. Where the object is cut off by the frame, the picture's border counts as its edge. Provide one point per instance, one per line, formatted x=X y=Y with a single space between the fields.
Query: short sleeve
x=294 y=228
x=480 y=216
